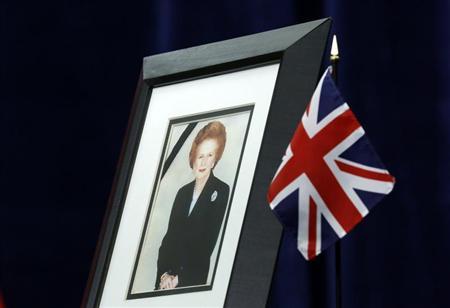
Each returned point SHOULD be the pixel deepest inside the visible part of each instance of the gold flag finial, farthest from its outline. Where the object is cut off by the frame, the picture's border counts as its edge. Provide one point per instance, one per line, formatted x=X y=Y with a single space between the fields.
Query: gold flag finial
x=334 y=59
x=334 y=49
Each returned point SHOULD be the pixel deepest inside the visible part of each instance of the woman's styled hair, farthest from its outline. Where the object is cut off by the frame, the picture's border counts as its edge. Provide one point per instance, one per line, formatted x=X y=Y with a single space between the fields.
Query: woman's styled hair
x=213 y=130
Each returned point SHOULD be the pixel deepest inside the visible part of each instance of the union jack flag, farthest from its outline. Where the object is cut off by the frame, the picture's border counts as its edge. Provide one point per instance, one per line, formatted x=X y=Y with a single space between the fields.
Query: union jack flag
x=330 y=176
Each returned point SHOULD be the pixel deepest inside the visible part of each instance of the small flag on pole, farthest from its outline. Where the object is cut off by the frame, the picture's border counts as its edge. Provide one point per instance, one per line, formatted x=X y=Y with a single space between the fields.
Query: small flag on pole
x=330 y=176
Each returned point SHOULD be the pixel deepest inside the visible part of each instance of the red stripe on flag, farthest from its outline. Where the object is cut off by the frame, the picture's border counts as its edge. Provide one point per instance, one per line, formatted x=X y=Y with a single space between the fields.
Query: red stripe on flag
x=308 y=158
x=312 y=229
x=365 y=173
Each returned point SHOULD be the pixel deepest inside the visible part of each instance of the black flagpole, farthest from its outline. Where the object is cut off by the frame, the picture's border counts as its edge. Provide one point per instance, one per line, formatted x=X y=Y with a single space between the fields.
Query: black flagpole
x=334 y=59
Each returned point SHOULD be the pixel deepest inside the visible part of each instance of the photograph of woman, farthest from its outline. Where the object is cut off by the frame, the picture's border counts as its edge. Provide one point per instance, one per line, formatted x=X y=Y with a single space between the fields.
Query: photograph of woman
x=188 y=210
x=196 y=216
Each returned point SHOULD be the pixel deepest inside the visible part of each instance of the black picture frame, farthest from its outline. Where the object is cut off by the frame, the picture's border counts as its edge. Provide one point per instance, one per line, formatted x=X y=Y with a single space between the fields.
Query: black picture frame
x=299 y=49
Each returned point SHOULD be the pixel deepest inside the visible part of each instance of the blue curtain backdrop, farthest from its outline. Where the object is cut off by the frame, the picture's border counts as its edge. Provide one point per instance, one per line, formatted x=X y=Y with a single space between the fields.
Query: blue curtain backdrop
x=68 y=73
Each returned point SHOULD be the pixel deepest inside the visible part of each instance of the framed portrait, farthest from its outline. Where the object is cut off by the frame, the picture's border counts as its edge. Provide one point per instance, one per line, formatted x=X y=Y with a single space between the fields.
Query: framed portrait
x=188 y=224
x=169 y=242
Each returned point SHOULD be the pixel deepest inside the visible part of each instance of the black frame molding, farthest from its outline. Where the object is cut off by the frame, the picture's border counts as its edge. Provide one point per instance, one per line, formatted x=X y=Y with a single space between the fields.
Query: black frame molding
x=299 y=49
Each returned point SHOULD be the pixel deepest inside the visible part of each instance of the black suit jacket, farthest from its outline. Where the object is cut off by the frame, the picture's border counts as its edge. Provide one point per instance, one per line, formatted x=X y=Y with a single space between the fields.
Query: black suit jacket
x=190 y=239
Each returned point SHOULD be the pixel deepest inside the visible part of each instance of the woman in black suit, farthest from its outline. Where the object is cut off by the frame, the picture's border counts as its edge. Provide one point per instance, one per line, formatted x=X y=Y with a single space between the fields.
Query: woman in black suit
x=196 y=216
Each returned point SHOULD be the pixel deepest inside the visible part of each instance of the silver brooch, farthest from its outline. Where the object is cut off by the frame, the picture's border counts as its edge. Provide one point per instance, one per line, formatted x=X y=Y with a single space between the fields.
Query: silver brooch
x=214 y=196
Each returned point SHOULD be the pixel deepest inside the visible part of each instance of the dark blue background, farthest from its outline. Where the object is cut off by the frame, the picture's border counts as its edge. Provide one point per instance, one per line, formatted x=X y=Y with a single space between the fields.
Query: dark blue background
x=68 y=74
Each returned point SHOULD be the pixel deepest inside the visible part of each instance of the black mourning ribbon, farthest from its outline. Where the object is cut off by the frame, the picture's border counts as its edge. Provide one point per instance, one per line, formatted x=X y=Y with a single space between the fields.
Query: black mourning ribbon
x=188 y=130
